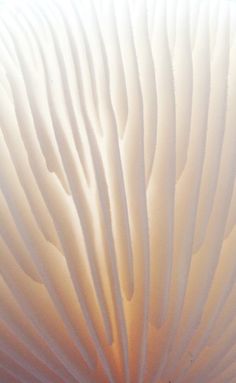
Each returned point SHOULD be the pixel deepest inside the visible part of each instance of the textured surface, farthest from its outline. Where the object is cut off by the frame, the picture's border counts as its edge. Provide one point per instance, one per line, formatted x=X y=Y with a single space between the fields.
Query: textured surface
x=117 y=191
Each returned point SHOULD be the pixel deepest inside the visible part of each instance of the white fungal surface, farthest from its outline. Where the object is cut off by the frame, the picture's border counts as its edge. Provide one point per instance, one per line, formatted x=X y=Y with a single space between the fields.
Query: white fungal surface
x=117 y=191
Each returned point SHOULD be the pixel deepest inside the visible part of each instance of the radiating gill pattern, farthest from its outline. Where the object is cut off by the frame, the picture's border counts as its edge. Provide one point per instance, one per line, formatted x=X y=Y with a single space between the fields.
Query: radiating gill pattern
x=117 y=191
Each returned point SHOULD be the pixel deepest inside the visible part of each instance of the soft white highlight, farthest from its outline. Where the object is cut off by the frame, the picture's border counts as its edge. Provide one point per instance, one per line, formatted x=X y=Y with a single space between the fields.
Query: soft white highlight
x=117 y=191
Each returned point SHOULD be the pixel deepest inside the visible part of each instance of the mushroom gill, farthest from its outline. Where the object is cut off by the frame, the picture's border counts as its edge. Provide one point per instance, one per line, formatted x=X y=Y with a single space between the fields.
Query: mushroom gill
x=117 y=191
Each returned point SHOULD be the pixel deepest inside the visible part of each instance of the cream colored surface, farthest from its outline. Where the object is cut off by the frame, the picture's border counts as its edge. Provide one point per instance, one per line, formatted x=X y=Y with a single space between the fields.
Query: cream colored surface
x=117 y=191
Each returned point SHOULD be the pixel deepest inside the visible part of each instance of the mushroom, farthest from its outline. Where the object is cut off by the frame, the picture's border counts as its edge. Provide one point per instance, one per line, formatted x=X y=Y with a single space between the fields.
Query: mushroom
x=117 y=191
